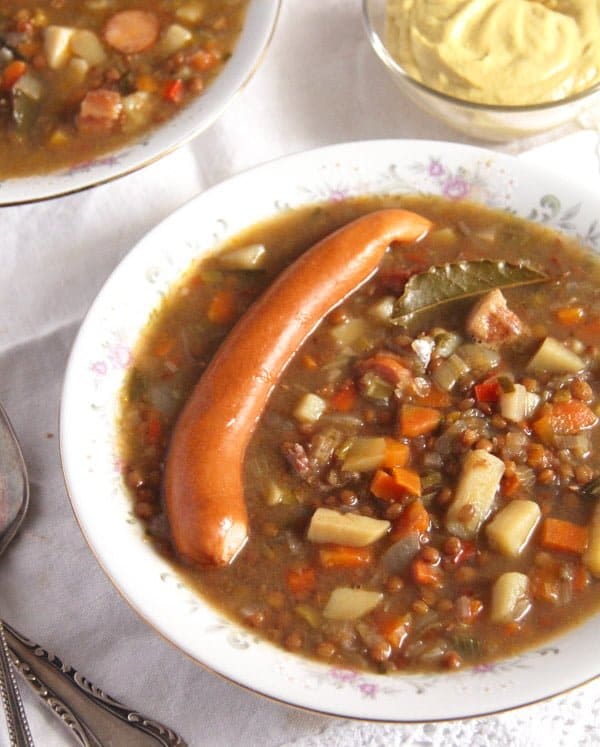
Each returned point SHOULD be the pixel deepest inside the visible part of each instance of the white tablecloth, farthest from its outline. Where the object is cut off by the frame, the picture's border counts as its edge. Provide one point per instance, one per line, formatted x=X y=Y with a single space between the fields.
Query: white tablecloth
x=319 y=83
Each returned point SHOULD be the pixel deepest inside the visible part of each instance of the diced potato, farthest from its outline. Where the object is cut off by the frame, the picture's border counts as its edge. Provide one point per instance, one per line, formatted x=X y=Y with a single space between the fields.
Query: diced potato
x=352 y=530
x=310 y=408
x=251 y=257
x=591 y=557
x=382 y=309
x=350 y=331
x=136 y=108
x=510 y=530
x=30 y=86
x=57 y=40
x=78 y=69
x=477 y=486
x=516 y=405
x=510 y=598
x=190 y=12
x=174 y=38
x=350 y=604
x=87 y=45
x=367 y=453
x=276 y=494
x=443 y=238
x=554 y=357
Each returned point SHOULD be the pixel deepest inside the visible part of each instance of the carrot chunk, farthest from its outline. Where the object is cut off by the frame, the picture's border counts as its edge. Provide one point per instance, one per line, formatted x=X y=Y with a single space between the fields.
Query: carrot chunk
x=384 y=486
x=342 y=556
x=414 y=518
x=565 y=418
x=222 y=307
x=12 y=72
x=394 y=629
x=565 y=536
x=416 y=420
x=301 y=581
x=424 y=573
x=396 y=454
x=435 y=397
x=407 y=479
x=344 y=399
x=570 y=315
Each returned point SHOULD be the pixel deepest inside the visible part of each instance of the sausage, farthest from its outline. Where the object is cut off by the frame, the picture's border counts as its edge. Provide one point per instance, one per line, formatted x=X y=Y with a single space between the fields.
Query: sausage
x=203 y=486
x=132 y=31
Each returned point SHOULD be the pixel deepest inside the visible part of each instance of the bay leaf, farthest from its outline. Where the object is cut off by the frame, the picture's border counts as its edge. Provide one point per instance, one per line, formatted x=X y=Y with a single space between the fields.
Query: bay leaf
x=443 y=284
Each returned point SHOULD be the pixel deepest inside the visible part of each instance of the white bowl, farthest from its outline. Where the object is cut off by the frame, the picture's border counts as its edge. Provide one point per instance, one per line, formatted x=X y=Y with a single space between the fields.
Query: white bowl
x=258 y=29
x=101 y=356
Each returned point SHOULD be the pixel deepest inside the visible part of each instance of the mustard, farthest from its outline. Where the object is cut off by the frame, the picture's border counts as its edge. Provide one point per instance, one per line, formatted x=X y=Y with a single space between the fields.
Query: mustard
x=504 y=52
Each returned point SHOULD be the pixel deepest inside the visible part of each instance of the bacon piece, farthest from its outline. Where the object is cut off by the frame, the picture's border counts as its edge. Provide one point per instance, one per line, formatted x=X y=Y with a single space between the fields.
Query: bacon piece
x=492 y=321
x=388 y=366
x=99 y=110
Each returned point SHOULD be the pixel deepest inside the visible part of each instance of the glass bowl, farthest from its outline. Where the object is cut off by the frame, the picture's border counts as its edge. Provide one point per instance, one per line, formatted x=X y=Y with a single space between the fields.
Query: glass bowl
x=484 y=121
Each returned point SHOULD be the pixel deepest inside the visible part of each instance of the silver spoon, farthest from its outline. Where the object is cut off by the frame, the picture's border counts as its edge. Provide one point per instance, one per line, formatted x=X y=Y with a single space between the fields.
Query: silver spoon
x=94 y=718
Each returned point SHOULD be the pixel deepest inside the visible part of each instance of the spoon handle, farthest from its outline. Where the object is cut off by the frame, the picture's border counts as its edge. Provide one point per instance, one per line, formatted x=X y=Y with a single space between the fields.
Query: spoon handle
x=94 y=718
x=16 y=720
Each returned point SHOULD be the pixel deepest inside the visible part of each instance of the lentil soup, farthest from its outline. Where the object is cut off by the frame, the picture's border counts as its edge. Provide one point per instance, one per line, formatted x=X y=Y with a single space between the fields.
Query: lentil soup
x=422 y=486
x=79 y=78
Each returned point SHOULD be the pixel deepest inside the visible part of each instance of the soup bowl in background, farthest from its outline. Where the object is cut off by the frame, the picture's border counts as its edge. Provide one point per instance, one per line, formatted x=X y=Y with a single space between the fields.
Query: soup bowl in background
x=90 y=407
x=197 y=116
x=485 y=121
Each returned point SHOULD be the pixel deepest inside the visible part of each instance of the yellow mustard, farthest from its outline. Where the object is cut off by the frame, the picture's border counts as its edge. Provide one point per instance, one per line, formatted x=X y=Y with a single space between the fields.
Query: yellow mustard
x=508 y=52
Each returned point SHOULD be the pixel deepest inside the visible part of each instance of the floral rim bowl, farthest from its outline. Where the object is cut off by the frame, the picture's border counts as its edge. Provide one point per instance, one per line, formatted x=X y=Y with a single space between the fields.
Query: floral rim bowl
x=101 y=356
x=258 y=30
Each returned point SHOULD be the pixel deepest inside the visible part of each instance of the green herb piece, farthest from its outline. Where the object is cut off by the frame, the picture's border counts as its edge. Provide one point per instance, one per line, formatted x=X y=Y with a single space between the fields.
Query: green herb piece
x=458 y=281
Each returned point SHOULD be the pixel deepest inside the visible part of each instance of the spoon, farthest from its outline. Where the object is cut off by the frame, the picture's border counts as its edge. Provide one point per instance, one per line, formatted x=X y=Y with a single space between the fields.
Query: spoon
x=94 y=718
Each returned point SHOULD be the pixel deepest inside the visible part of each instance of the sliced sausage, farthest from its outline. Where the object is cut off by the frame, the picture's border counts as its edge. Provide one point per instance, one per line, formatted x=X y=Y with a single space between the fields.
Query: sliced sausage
x=203 y=486
x=132 y=31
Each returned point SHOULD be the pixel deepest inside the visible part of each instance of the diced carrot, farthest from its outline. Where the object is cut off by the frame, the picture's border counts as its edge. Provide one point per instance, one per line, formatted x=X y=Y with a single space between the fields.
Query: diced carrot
x=581 y=578
x=163 y=347
x=153 y=429
x=396 y=454
x=384 y=486
x=416 y=420
x=510 y=484
x=344 y=398
x=565 y=536
x=545 y=585
x=12 y=72
x=424 y=573
x=146 y=83
x=389 y=367
x=408 y=479
x=301 y=581
x=309 y=362
x=341 y=556
x=570 y=315
x=488 y=391
x=394 y=629
x=173 y=91
x=222 y=307
x=511 y=628
x=589 y=333
x=564 y=418
x=414 y=518
x=204 y=60
x=435 y=397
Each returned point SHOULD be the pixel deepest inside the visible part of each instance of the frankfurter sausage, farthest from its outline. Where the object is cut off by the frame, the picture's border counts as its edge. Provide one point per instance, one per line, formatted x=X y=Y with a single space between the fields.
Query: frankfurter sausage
x=205 y=504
